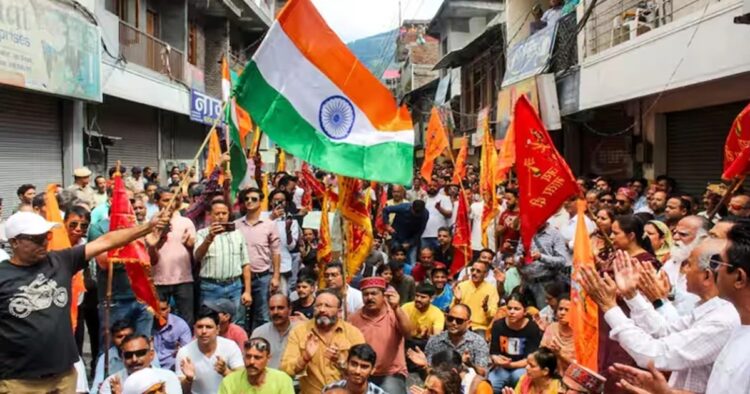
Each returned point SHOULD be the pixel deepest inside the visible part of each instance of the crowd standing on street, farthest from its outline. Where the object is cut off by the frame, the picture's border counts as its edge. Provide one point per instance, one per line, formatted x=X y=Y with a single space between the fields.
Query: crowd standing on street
x=245 y=305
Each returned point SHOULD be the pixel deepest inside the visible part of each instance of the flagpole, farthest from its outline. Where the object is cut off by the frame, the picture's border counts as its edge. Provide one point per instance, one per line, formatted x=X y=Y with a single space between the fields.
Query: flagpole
x=727 y=196
x=108 y=301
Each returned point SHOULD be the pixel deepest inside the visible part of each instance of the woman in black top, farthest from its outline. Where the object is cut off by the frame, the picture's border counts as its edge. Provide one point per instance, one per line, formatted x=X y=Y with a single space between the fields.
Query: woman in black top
x=513 y=339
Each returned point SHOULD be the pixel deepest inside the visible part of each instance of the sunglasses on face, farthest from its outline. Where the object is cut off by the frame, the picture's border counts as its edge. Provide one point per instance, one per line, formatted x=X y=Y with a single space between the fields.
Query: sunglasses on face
x=606 y=201
x=620 y=202
x=253 y=199
x=136 y=353
x=40 y=239
x=715 y=262
x=457 y=320
x=82 y=225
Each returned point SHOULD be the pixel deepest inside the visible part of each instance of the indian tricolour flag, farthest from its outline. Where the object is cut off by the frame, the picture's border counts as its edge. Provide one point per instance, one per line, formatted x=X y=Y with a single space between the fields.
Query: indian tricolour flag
x=318 y=102
x=238 y=123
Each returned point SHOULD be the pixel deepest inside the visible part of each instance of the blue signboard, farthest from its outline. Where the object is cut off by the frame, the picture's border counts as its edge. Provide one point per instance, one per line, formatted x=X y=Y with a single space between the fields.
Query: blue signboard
x=530 y=56
x=203 y=108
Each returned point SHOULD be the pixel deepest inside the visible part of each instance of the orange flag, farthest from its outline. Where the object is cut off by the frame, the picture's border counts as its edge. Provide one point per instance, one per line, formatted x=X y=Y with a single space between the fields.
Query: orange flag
x=507 y=155
x=264 y=188
x=213 y=158
x=487 y=182
x=436 y=141
x=461 y=236
x=459 y=173
x=256 y=142
x=358 y=226
x=281 y=164
x=584 y=314
x=60 y=241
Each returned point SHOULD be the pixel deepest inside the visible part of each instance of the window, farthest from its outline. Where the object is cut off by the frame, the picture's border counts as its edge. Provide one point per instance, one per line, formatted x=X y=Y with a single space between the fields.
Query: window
x=127 y=10
x=192 y=44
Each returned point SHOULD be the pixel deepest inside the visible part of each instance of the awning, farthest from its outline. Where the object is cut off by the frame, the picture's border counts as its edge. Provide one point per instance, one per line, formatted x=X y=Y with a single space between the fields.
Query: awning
x=424 y=89
x=491 y=34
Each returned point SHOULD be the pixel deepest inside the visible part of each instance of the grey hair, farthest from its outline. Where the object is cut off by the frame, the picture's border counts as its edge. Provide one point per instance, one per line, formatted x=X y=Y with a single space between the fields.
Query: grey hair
x=704 y=258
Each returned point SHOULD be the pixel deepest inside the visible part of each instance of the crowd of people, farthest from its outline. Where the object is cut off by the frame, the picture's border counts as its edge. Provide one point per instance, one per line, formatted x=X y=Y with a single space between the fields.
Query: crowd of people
x=245 y=305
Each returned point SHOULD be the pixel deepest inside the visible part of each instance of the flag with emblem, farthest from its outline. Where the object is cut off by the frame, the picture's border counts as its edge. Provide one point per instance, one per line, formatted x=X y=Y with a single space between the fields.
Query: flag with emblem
x=315 y=100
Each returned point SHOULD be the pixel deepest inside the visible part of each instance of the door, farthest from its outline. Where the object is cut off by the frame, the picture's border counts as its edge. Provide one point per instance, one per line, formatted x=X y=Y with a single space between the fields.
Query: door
x=153 y=47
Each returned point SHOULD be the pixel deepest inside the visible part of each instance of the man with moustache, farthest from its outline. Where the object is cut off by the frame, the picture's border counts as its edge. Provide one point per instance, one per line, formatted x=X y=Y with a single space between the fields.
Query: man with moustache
x=317 y=349
x=257 y=377
x=359 y=368
x=688 y=233
x=276 y=332
x=385 y=326
x=137 y=355
x=658 y=204
x=440 y=209
x=479 y=295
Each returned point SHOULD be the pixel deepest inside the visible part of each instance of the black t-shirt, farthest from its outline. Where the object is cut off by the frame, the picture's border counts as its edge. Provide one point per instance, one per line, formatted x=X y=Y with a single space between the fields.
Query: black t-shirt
x=515 y=345
x=306 y=310
x=36 y=336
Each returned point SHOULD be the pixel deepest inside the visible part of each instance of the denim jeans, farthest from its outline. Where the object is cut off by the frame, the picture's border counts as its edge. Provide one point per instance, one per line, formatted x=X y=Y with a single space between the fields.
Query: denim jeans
x=501 y=377
x=184 y=300
x=232 y=292
x=390 y=383
x=259 y=310
x=132 y=312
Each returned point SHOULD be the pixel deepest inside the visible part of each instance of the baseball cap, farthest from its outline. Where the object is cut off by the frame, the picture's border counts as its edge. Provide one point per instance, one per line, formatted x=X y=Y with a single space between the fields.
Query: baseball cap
x=27 y=223
x=221 y=305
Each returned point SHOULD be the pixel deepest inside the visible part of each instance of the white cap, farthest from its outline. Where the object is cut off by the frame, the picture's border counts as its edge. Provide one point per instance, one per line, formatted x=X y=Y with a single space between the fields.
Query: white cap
x=141 y=381
x=27 y=223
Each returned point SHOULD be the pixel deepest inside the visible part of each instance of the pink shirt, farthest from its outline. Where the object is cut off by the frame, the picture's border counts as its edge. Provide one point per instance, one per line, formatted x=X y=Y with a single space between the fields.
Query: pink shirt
x=383 y=334
x=236 y=334
x=174 y=266
x=263 y=242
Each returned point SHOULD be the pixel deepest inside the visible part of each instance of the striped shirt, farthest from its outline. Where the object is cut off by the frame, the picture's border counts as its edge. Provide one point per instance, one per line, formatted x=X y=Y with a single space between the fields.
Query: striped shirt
x=225 y=257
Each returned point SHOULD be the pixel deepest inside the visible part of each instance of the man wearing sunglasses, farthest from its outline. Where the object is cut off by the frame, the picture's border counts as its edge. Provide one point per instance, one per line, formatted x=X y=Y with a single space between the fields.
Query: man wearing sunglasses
x=457 y=337
x=686 y=346
x=138 y=355
x=37 y=347
x=257 y=377
x=739 y=206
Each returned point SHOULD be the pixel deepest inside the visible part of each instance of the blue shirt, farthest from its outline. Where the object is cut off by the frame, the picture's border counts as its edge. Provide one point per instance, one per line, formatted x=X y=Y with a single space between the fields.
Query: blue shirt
x=99 y=213
x=408 y=226
x=168 y=339
x=115 y=365
x=443 y=301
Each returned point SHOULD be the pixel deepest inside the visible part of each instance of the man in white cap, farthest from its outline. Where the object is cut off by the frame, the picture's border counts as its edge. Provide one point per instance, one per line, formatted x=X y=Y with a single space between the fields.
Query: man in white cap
x=37 y=347
x=80 y=189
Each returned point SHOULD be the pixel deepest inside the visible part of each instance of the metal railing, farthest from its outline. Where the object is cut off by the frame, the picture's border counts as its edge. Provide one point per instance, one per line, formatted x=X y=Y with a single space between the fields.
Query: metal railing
x=146 y=50
x=565 y=51
x=616 y=21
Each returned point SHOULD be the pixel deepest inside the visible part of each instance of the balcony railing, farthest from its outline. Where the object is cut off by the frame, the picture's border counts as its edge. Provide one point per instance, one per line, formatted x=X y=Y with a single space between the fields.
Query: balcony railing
x=148 y=51
x=616 y=21
x=565 y=50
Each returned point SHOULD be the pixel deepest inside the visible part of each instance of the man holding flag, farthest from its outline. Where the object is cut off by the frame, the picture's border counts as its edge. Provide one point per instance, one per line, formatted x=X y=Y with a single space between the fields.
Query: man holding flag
x=37 y=347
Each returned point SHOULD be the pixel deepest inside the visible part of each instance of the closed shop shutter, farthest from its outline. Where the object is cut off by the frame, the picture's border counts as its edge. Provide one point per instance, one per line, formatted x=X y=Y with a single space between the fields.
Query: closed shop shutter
x=189 y=136
x=695 y=145
x=30 y=143
x=138 y=127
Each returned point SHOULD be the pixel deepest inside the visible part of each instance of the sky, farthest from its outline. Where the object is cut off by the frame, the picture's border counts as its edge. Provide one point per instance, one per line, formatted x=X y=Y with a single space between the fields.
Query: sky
x=355 y=19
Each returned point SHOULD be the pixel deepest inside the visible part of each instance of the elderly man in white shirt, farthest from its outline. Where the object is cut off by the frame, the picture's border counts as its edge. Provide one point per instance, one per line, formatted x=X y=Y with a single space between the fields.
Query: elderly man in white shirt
x=688 y=233
x=687 y=346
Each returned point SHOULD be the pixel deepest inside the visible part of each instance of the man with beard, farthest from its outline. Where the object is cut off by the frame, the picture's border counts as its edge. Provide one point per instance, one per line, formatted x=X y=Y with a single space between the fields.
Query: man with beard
x=688 y=233
x=443 y=290
x=385 y=326
x=440 y=211
x=204 y=362
x=277 y=330
x=359 y=367
x=422 y=269
x=138 y=355
x=624 y=201
x=457 y=337
x=481 y=297
x=317 y=349
x=426 y=319
x=257 y=376
x=658 y=204
x=334 y=281
x=676 y=209
x=445 y=251
x=507 y=228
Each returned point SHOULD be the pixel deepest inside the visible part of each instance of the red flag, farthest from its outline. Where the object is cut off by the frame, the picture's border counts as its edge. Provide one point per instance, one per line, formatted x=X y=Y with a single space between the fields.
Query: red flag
x=544 y=178
x=60 y=241
x=462 y=236
x=738 y=138
x=739 y=167
x=133 y=255
x=311 y=185
x=380 y=226
x=584 y=314
x=358 y=227
x=459 y=173
x=436 y=141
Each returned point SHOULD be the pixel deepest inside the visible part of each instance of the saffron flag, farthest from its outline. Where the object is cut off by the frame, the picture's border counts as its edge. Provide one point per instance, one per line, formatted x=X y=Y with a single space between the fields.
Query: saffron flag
x=507 y=156
x=738 y=138
x=60 y=241
x=487 y=180
x=264 y=189
x=133 y=255
x=325 y=251
x=459 y=173
x=281 y=161
x=380 y=226
x=544 y=179
x=584 y=314
x=313 y=98
x=357 y=227
x=436 y=141
x=462 y=236
x=213 y=157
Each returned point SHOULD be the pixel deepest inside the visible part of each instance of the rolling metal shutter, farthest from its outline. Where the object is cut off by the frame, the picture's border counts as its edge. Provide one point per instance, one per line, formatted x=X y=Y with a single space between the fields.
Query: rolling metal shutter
x=695 y=145
x=30 y=143
x=138 y=127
